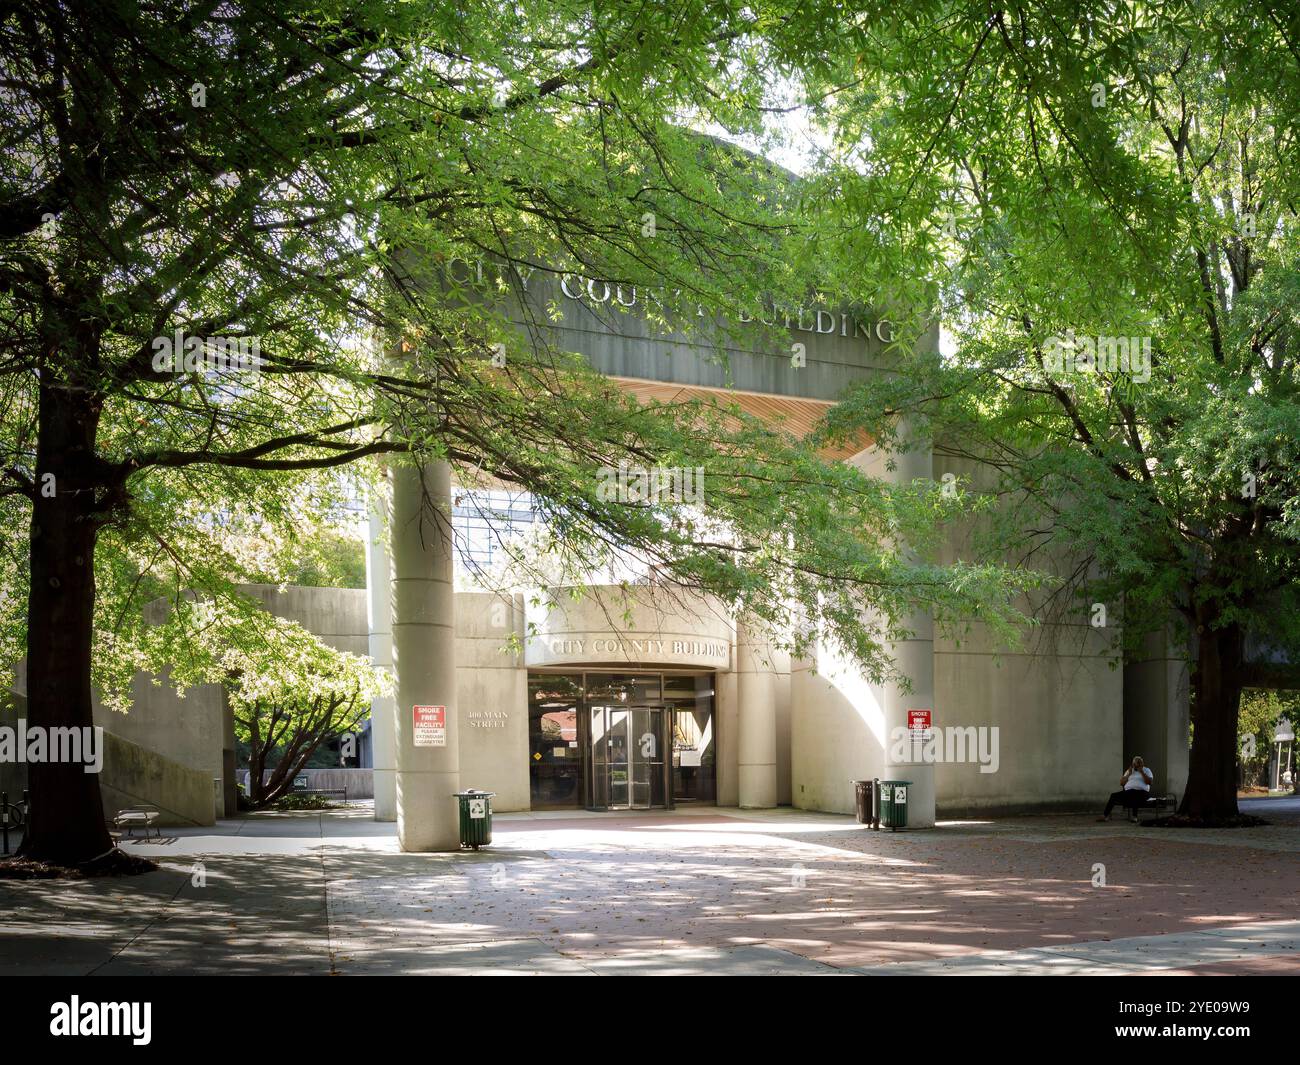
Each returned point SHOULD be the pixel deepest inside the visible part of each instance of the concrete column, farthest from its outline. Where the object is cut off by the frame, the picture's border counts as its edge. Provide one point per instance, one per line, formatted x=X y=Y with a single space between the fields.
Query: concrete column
x=1156 y=711
x=229 y=780
x=424 y=654
x=914 y=659
x=756 y=712
x=379 y=618
x=727 y=727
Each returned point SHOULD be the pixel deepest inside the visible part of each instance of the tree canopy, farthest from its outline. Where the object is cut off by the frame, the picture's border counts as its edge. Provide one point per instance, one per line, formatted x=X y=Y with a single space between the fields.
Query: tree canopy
x=211 y=215
x=1104 y=203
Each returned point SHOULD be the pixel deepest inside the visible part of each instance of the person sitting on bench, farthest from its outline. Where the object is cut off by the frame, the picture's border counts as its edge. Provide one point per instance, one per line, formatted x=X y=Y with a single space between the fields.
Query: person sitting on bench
x=1136 y=787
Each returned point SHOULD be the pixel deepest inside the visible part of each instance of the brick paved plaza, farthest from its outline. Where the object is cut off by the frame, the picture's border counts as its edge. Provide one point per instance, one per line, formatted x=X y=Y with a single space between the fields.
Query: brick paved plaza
x=703 y=891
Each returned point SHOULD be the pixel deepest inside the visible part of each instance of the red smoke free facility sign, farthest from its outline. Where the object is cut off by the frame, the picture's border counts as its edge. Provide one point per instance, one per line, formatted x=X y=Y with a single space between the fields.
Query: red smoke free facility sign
x=918 y=720
x=430 y=726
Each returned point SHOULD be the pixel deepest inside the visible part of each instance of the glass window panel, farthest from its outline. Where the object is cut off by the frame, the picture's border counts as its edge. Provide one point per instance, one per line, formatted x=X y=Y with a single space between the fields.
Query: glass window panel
x=623 y=689
x=694 y=754
x=554 y=753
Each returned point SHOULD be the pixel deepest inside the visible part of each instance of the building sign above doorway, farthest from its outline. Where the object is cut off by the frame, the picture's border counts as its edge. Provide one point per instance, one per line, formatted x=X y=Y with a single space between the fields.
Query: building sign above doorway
x=643 y=627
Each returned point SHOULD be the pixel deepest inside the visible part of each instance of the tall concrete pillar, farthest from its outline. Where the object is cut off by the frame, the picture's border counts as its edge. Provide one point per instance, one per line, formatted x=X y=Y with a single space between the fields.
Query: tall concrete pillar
x=914 y=659
x=756 y=713
x=229 y=750
x=1156 y=712
x=379 y=617
x=424 y=655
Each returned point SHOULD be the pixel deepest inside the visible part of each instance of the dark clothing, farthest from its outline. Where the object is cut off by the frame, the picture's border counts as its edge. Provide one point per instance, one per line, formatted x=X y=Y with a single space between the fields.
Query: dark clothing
x=1131 y=800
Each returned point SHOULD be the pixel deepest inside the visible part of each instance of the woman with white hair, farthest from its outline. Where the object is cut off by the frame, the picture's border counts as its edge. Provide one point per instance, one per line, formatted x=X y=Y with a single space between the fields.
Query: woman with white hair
x=1135 y=786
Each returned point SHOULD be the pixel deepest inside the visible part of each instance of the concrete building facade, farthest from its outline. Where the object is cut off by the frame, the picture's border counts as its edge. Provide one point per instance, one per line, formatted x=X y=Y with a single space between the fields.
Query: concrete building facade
x=597 y=703
x=669 y=700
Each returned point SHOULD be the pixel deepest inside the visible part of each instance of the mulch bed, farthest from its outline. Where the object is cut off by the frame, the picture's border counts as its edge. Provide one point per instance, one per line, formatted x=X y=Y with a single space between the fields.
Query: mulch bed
x=1183 y=821
x=114 y=863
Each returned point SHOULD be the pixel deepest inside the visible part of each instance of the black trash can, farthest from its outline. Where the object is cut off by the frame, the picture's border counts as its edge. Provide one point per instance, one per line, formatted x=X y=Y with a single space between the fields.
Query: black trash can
x=864 y=794
x=893 y=803
x=475 y=817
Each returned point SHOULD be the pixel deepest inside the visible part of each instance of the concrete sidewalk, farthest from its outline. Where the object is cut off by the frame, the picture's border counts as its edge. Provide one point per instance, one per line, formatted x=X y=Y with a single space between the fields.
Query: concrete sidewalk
x=695 y=891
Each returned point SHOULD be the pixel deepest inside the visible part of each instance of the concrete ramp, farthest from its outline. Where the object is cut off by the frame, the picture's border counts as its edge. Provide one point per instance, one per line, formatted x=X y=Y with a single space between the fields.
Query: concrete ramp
x=134 y=775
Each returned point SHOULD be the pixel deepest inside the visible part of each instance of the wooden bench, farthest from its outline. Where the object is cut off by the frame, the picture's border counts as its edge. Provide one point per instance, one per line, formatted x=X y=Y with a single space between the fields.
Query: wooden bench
x=142 y=816
x=333 y=793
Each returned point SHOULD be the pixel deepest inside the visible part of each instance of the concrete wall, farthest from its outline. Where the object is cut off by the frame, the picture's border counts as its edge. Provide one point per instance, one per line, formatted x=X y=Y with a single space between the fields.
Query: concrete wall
x=1057 y=703
x=1057 y=700
x=360 y=783
x=170 y=742
x=784 y=782
x=492 y=698
x=185 y=791
x=1059 y=721
x=1156 y=712
x=134 y=775
x=336 y=615
x=1059 y=714
x=167 y=749
x=726 y=712
x=195 y=730
x=837 y=731
x=608 y=326
x=492 y=684
x=186 y=730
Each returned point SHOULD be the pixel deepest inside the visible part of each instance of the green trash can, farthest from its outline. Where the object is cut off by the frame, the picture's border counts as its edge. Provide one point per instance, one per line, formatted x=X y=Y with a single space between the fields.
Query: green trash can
x=475 y=817
x=893 y=803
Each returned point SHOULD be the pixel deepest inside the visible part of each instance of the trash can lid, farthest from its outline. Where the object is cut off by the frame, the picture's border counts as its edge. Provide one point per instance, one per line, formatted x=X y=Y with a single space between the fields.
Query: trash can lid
x=474 y=793
x=896 y=782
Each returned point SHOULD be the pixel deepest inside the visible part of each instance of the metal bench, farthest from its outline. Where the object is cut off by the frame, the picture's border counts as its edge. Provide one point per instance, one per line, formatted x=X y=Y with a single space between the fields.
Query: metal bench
x=300 y=788
x=132 y=817
x=1157 y=804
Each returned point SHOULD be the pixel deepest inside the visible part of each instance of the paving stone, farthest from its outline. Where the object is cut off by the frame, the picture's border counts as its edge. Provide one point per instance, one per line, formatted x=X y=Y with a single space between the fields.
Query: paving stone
x=999 y=963
x=492 y=957
x=698 y=891
x=714 y=961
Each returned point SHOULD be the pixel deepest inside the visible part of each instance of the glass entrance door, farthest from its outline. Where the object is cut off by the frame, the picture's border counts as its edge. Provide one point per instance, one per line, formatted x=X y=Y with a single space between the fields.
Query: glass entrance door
x=621 y=741
x=628 y=770
x=647 y=768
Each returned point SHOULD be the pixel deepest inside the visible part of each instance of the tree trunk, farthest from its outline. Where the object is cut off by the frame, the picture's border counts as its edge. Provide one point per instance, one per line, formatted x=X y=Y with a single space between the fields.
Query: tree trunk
x=297 y=753
x=255 y=789
x=67 y=812
x=256 y=763
x=1216 y=682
